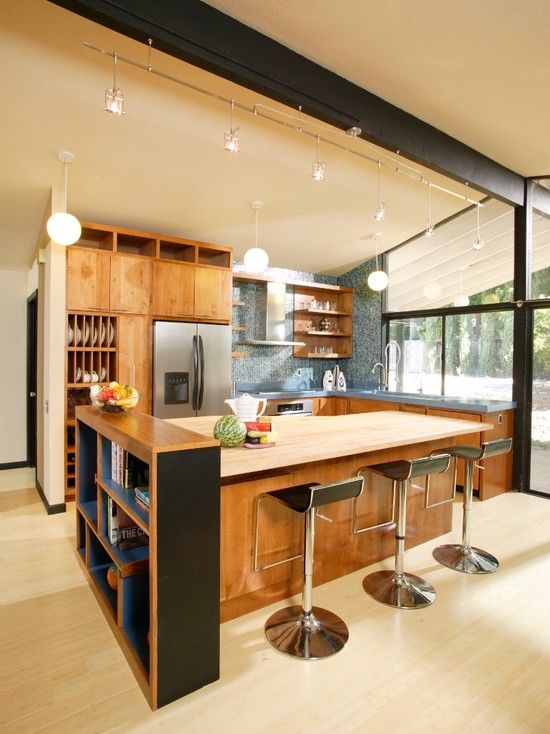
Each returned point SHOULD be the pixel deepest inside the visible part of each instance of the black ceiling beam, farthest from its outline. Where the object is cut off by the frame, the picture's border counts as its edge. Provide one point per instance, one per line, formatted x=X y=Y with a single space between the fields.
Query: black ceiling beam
x=203 y=36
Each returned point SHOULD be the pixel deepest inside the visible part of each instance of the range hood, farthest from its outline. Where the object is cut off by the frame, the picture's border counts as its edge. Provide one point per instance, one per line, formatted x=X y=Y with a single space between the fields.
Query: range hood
x=274 y=319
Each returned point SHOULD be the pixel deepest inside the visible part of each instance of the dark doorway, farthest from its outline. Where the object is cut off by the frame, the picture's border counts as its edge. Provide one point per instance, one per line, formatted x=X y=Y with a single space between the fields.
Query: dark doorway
x=32 y=333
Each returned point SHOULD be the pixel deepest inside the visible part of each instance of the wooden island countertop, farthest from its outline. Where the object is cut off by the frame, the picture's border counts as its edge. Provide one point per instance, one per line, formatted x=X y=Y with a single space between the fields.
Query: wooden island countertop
x=321 y=449
x=319 y=438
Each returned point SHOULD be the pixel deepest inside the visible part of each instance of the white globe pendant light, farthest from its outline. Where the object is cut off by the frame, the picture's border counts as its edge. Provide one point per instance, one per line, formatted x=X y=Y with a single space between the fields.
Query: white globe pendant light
x=378 y=280
x=255 y=259
x=64 y=228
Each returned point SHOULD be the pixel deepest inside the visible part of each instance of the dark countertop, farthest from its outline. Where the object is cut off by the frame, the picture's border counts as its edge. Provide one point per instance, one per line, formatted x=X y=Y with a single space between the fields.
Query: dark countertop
x=468 y=405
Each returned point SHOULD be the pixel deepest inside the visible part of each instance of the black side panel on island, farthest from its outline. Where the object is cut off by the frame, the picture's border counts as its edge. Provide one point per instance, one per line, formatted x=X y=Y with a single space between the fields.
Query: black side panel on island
x=188 y=561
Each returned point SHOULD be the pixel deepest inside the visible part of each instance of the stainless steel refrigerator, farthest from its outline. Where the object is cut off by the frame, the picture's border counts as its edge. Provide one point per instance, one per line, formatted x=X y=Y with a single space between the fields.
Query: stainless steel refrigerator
x=191 y=369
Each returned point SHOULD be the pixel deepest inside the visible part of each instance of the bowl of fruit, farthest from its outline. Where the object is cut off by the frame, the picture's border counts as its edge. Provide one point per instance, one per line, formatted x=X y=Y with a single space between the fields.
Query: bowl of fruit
x=114 y=398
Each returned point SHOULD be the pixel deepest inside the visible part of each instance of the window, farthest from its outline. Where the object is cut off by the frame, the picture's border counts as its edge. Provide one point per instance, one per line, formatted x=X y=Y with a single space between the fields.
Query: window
x=445 y=271
x=419 y=369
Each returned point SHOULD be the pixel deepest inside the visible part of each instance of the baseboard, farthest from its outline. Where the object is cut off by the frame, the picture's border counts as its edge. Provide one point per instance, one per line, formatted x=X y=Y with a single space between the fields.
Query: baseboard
x=14 y=465
x=50 y=509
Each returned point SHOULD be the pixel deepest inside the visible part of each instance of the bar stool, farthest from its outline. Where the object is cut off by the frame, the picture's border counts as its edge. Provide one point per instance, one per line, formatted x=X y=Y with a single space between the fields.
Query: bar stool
x=397 y=588
x=306 y=631
x=463 y=556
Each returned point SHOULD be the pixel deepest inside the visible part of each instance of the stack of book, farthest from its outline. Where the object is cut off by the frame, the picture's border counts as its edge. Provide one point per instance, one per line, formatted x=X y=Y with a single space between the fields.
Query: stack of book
x=126 y=469
x=122 y=531
x=142 y=498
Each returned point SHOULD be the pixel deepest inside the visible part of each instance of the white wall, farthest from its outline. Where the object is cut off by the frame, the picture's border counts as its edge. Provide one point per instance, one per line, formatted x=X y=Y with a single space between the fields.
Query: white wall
x=13 y=365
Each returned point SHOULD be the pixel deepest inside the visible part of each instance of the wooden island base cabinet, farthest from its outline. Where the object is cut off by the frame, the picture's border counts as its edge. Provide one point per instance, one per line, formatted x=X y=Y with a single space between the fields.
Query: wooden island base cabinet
x=320 y=449
x=158 y=581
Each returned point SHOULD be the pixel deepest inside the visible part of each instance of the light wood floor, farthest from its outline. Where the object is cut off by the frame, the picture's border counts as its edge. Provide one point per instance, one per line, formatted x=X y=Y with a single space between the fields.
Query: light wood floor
x=477 y=660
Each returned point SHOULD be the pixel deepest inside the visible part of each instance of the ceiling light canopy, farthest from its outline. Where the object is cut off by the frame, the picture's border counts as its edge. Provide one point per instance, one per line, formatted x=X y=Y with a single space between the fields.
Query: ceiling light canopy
x=64 y=228
x=255 y=259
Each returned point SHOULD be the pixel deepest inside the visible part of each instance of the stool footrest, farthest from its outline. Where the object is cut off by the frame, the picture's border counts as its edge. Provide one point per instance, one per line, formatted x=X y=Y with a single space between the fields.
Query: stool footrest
x=307 y=636
x=465 y=559
x=403 y=591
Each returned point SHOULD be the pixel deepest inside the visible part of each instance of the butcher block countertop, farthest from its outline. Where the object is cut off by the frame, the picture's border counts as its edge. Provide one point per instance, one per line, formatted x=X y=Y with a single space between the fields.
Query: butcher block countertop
x=318 y=438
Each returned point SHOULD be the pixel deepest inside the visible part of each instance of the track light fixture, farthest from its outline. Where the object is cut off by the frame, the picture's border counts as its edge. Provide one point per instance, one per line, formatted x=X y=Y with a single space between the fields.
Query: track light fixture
x=430 y=229
x=255 y=259
x=64 y=228
x=380 y=206
x=114 y=97
x=478 y=242
x=319 y=168
x=231 y=139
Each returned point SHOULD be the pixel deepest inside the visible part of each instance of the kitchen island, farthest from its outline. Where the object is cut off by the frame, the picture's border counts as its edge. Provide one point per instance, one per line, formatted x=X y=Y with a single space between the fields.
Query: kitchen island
x=320 y=449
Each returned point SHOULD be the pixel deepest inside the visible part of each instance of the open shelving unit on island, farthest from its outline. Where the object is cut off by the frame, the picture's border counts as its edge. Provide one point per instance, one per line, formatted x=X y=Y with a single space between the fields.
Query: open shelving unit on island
x=164 y=610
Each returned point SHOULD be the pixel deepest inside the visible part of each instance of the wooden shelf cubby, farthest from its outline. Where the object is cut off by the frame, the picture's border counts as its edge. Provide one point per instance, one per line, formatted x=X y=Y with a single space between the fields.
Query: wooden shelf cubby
x=164 y=610
x=314 y=306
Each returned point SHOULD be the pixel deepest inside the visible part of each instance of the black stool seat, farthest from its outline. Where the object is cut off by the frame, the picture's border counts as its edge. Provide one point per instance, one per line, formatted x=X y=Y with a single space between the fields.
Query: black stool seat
x=463 y=556
x=304 y=631
x=303 y=497
x=477 y=453
x=397 y=588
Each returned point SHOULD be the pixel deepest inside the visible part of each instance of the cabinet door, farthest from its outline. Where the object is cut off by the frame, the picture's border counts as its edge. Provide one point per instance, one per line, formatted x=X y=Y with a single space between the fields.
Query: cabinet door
x=134 y=357
x=131 y=281
x=356 y=405
x=412 y=408
x=87 y=280
x=213 y=293
x=173 y=289
x=496 y=476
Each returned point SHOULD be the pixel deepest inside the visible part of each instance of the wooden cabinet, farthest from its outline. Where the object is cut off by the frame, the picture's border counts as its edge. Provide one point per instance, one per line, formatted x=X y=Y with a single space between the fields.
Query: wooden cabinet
x=134 y=357
x=471 y=439
x=88 y=280
x=357 y=405
x=173 y=289
x=323 y=318
x=213 y=293
x=130 y=283
x=331 y=406
x=165 y=622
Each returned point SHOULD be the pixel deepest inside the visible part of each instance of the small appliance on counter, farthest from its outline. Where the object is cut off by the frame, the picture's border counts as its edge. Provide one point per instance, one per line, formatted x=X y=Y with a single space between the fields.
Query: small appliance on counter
x=246 y=407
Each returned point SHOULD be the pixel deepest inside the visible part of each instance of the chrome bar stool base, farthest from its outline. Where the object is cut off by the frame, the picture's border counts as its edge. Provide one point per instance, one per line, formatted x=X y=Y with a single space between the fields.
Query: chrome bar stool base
x=310 y=636
x=465 y=559
x=402 y=591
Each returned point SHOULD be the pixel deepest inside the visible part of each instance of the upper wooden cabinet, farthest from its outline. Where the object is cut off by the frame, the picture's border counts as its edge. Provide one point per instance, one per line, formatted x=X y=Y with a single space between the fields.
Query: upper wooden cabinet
x=131 y=283
x=88 y=280
x=173 y=289
x=213 y=293
x=125 y=271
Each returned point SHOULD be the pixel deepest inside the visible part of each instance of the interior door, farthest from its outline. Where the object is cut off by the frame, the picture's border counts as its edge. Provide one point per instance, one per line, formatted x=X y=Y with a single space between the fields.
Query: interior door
x=32 y=334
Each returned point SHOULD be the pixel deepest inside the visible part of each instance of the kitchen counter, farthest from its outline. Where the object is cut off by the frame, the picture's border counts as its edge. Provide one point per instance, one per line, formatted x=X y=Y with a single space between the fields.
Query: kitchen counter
x=321 y=449
x=468 y=405
x=320 y=438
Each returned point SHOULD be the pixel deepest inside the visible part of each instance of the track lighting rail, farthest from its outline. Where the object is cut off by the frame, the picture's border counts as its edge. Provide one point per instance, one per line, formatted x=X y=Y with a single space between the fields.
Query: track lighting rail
x=295 y=123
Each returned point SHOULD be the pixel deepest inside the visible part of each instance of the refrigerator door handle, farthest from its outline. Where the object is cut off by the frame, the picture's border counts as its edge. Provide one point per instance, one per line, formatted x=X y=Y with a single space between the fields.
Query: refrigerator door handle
x=195 y=373
x=201 y=357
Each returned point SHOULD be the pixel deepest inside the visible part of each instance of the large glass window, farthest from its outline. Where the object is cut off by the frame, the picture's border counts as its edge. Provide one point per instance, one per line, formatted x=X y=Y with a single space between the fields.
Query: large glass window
x=540 y=416
x=445 y=270
x=540 y=256
x=419 y=368
x=478 y=355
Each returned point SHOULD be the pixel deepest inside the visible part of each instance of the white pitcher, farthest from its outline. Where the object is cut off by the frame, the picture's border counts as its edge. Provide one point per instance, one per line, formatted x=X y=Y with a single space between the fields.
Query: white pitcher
x=247 y=407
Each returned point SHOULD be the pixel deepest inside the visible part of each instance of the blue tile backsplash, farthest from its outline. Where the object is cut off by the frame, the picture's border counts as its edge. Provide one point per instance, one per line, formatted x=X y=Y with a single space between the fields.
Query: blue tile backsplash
x=277 y=365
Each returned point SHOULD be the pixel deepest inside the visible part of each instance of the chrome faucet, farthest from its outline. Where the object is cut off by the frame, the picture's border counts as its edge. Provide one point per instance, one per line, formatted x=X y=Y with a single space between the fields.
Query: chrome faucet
x=382 y=384
x=385 y=369
x=388 y=354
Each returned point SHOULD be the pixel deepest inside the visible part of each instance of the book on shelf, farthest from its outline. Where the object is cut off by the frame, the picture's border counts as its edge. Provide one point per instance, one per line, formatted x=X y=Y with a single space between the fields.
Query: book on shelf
x=126 y=469
x=112 y=524
x=142 y=493
x=143 y=505
x=130 y=535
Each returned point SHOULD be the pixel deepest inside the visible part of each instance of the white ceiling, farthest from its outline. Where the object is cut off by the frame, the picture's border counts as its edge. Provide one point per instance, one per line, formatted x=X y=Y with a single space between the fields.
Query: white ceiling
x=161 y=167
x=478 y=71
